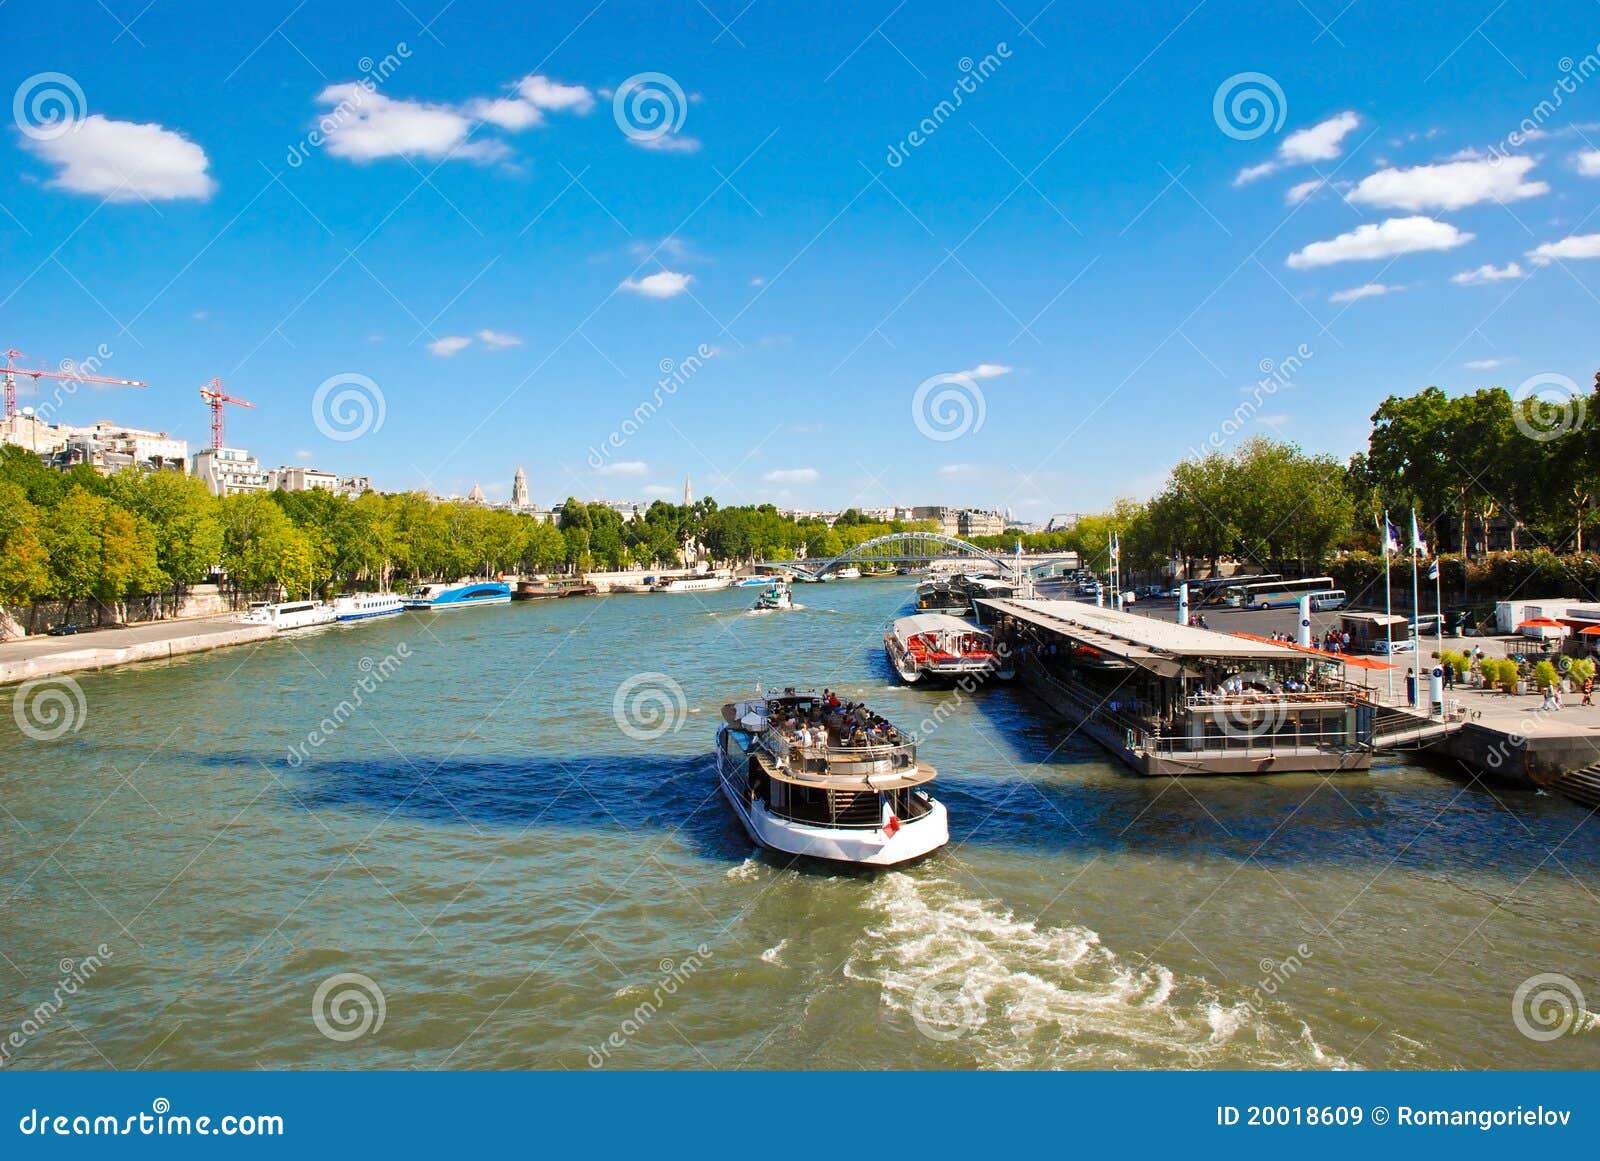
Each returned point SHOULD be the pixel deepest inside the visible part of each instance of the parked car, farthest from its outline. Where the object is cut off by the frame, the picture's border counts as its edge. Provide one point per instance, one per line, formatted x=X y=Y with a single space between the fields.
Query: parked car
x=1386 y=647
x=65 y=629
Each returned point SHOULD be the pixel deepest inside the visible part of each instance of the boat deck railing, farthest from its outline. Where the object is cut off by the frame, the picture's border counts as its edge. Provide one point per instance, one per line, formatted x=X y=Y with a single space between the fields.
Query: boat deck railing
x=846 y=760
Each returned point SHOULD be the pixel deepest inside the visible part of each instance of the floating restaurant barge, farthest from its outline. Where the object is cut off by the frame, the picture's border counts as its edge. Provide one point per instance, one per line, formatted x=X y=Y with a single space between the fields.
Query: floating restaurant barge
x=1171 y=699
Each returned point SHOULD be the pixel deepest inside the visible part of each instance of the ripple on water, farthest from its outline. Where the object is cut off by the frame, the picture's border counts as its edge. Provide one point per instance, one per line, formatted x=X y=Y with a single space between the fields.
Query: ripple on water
x=1010 y=994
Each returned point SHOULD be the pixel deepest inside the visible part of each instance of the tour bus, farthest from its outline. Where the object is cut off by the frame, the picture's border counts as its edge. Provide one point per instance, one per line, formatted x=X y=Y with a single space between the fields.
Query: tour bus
x=1279 y=593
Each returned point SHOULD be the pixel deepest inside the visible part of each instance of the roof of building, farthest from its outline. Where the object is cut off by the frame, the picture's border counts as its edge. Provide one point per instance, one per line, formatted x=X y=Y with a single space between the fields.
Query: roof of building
x=1139 y=639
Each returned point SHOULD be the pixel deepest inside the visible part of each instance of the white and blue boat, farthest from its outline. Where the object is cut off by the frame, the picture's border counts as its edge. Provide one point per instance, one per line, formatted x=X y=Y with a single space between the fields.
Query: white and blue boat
x=363 y=606
x=460 y=595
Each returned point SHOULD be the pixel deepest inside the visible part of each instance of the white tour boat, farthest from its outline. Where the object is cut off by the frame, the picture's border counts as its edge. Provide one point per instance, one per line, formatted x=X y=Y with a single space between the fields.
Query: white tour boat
x=809 y=777
x=364 y=606
x=692 y=584
x=461 y=595
x=939 y=647
x=776 y=599
x=848 y=572
x=289 y=614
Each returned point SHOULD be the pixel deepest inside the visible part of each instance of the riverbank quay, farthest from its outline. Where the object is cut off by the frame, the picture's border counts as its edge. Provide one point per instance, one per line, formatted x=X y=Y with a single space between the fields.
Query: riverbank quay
x=36 y=657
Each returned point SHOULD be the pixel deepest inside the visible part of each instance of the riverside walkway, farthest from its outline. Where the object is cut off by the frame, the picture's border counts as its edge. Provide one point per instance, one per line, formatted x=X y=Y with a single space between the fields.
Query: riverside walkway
x=45 y=656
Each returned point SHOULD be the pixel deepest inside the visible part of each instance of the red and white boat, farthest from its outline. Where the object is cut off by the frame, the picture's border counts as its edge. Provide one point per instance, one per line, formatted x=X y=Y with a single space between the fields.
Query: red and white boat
x=938 y=647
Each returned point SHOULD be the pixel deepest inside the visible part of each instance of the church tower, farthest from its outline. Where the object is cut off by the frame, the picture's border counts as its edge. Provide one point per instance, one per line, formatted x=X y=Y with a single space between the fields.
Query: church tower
x=688 y=493
x=519 y=489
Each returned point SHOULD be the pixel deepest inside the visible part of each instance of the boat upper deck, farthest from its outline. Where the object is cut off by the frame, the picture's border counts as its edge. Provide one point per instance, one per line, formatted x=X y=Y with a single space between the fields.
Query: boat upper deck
x=845 y=747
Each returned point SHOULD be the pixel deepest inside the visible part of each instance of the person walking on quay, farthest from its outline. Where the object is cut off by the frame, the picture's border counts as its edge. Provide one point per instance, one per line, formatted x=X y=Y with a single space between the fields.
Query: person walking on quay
x=1588 y=691
x=1411 y=687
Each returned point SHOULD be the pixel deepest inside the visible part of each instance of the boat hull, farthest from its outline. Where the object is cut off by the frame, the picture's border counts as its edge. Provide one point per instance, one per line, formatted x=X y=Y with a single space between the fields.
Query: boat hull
x=371 y=613
x=871 y=848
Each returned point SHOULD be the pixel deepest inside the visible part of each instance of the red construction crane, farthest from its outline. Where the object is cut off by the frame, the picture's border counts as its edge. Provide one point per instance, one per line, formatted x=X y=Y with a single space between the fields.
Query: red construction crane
x=213 y=394
x=12 y=371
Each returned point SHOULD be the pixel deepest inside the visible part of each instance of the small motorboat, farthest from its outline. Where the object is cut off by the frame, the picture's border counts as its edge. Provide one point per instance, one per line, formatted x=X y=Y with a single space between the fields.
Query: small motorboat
x=776 y=599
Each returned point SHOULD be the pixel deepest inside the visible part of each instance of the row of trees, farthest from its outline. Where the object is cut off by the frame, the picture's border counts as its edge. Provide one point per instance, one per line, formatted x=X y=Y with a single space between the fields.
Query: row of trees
x=78 y=535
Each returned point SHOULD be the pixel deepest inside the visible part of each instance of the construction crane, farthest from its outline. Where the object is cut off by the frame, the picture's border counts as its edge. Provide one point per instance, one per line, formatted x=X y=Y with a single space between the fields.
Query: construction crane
x=213 y=394
x=12 y=371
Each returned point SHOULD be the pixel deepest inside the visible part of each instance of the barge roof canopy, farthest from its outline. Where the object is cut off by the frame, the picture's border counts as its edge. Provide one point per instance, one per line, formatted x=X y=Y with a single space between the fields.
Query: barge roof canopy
x=1141 y=640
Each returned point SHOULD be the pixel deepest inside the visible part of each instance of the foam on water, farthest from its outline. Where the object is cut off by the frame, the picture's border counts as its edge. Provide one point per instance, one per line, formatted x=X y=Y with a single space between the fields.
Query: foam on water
x=774 y=954
x=1015 y=995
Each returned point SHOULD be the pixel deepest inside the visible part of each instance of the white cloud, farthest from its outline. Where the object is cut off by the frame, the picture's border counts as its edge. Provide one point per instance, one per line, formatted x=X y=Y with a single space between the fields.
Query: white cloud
x=1251 y=172
x=661 y=491
x=988 y=371
x=1486 y=364
x=1588 y=162
x=499 y=340
x=792 y=476
x=1488 y=272
x=1450 y=186
x=661 y=284
x=667 y=143
x=960 y=471
x=360 y=125
x=1391 y=237
x=1322 y=142
x=126 y=161
x=1573 y=246
x=449 y=345
x=1369 y=290
x=553 y=96
x=624 y=468
x=1299 y=193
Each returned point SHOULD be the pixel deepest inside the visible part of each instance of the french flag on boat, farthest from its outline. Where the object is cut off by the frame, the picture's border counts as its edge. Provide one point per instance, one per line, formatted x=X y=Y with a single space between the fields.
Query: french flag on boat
x=892 y=827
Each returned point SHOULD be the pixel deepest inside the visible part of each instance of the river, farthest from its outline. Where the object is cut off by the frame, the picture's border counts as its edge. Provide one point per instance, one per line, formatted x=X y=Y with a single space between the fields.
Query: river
x=478 y=867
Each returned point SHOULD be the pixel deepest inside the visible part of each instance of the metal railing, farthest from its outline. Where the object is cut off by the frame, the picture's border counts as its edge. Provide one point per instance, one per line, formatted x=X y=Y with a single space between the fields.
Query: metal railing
x=853 y=760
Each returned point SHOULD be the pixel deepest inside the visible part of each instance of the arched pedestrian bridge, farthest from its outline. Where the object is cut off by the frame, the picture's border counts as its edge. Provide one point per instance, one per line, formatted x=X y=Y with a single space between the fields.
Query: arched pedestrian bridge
x=915 y=548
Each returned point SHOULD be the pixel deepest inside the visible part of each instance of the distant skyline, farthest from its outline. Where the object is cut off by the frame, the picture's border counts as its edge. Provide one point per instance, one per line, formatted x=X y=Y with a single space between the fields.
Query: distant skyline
x=844 y=255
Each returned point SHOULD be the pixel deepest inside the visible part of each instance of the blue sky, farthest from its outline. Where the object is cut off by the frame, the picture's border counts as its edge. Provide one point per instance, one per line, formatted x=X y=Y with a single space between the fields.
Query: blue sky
x=1098 y=250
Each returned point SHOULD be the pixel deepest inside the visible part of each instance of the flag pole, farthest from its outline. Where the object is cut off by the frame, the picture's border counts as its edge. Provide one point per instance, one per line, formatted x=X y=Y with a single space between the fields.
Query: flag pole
x=1438 y=600
x=1388 y=598
x=1415 y=600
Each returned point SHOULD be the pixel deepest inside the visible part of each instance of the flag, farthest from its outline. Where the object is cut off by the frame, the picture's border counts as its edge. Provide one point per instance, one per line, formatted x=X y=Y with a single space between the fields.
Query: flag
x=892 y=827
x=1433 y=571
x=1391 y=538
x=1418 y=545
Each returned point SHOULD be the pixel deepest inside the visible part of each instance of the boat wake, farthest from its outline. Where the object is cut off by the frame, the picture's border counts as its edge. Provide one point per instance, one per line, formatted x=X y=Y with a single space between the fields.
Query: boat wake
x=973 y=975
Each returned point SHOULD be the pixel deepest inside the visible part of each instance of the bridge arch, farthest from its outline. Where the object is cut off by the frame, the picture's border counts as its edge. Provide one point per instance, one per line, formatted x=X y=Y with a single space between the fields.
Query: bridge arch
x=866 y=550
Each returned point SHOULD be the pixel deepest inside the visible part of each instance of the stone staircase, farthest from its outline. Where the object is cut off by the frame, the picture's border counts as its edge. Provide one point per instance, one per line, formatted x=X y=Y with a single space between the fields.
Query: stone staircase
x=1580 y=785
